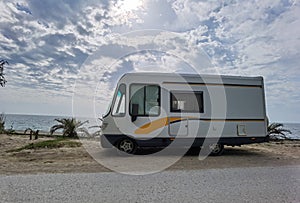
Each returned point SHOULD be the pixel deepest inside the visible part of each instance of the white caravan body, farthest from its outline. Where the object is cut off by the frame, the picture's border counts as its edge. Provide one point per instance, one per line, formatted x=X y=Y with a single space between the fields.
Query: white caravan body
x=152 y=109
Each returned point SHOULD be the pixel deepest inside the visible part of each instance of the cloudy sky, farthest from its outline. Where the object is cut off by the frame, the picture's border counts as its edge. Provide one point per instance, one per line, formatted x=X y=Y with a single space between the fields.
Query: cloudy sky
x=53 y=46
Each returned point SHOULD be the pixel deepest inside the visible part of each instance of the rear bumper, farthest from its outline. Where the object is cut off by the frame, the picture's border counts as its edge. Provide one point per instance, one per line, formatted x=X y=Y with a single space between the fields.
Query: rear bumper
x=108 y=141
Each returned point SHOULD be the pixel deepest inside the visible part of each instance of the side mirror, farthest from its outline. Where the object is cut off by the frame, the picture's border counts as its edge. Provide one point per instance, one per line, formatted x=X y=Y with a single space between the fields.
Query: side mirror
x=135 y=112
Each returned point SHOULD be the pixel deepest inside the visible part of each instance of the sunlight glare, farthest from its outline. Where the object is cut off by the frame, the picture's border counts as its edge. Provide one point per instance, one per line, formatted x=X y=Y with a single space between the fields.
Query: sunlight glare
x=130 y=5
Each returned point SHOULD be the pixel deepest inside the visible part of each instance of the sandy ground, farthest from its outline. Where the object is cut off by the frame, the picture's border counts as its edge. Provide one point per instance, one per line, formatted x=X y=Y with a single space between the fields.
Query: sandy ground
x=66 y=160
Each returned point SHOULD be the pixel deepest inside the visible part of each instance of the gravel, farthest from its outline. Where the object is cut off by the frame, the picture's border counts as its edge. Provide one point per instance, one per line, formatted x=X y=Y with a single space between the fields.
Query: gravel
x=256 y=184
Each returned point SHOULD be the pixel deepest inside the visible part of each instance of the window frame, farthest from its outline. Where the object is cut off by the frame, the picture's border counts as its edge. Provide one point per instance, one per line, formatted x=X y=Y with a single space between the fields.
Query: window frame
x=114 y=100
x=172 y=92
x=159 y=98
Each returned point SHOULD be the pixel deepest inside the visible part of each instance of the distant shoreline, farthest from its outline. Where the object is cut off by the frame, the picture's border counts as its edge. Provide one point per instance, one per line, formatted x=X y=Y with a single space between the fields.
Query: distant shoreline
x=43 y=123
x=41 y=133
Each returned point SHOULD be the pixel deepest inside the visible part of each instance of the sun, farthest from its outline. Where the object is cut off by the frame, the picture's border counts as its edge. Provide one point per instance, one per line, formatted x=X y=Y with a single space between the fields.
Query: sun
x=130 y=5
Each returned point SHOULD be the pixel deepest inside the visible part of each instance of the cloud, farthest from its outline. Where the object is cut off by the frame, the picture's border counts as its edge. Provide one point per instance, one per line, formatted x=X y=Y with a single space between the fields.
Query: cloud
x=46 y=42
x=21 y=7
x=40 y=38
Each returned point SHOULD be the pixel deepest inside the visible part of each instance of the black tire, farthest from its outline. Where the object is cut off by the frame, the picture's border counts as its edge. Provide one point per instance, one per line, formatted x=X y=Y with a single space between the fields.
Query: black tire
x=127 y=146
x=193 y=151
x=216 y=149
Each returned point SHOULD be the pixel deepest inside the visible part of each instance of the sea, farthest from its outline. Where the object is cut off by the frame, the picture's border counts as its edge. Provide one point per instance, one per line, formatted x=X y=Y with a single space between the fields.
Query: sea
x=43 y=123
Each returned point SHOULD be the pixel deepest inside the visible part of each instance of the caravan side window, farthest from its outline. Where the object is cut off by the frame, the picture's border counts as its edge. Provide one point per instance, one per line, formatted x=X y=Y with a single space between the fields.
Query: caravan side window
x=191 y=102
x=119 y=104
x=146 y=98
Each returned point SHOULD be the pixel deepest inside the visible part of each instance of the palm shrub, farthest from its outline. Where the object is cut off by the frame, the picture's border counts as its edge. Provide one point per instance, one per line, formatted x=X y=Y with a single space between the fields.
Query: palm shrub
x=2 y=123
x=99 y=127
x=70 y=127
x=276 y=131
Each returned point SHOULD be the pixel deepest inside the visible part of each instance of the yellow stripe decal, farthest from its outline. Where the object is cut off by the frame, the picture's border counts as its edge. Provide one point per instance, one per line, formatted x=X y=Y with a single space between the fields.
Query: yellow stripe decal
x=154 y=125
x=162 y=122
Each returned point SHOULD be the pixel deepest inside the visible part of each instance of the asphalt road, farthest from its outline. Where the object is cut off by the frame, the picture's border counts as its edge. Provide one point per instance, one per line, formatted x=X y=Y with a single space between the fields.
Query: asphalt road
x=256 y=184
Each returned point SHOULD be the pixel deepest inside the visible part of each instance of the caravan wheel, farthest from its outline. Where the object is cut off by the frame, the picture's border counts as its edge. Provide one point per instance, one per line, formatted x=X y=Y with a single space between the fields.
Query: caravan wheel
x=127 y=145
x=216 y=149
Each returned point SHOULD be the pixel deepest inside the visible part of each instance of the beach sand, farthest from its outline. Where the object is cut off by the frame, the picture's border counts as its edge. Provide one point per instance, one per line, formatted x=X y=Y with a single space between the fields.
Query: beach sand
x=76 y=160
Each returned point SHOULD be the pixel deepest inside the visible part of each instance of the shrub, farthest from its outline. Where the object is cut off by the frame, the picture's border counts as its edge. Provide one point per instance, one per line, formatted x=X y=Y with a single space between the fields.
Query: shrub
x=2 y=123
x=70 y=126
x=276 y=131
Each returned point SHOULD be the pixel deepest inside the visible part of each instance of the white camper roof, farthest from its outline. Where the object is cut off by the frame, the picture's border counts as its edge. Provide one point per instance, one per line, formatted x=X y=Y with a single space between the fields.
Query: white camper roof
x=154 y=77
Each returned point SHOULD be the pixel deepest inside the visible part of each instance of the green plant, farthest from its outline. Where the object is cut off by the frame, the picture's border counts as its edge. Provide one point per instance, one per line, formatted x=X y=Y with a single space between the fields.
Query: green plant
x=11 y=130
x=49 y=144
x=2 y=123
x=276 y=131
x=70 y=127
x=2 y=79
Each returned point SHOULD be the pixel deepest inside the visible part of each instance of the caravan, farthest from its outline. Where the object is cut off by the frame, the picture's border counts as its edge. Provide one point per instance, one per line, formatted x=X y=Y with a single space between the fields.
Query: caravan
x=185 y=110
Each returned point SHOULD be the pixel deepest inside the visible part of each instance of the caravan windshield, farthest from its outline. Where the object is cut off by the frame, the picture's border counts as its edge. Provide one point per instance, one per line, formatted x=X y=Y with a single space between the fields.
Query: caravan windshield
x=119 y=102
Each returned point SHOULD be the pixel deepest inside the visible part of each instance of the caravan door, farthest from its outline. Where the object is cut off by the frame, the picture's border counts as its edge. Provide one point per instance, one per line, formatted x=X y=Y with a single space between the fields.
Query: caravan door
x=178 y=126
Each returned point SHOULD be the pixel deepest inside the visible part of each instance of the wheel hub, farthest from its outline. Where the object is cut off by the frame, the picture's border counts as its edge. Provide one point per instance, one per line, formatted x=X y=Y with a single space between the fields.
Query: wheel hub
x=215 y=148
x=126 y=146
